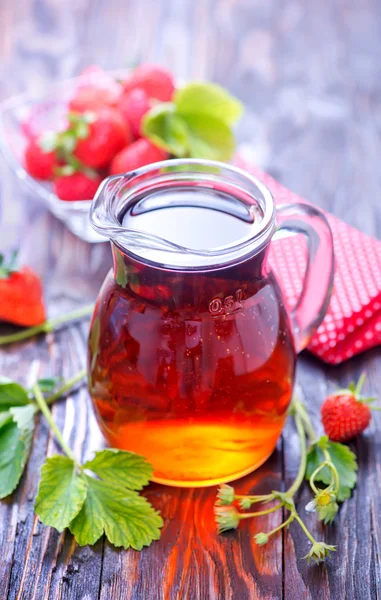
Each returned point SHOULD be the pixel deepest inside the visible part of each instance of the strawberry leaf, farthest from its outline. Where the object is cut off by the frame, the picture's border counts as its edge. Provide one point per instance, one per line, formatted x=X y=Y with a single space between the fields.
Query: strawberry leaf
x=61 y=493
x=12 y=394
x=23 y=416
x=15 y=441
x=88 y=526
x=126 y=468
x=209 y=100
x=5 y=417
x=344 y=460
x=209 y=138
x=197 y=124
x=127 y=519
x=166 y=129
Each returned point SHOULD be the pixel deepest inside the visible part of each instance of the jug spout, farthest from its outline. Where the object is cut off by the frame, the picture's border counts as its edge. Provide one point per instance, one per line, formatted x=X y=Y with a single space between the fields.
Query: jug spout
x=104 y=208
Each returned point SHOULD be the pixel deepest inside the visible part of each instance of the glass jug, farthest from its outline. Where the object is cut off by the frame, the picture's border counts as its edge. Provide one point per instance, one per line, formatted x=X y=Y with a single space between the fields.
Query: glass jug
x=192 y=350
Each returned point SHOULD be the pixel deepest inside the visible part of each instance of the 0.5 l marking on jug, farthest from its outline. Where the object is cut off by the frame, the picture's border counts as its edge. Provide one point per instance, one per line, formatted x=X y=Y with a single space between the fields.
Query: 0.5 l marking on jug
x=227 y=305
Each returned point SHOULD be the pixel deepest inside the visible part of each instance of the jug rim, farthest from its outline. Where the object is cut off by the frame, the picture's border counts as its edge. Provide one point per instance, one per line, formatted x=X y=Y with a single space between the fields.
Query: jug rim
x=116 y=192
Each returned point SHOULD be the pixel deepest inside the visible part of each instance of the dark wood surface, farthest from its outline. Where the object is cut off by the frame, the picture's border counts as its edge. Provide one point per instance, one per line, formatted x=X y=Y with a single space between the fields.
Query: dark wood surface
x=310 y=72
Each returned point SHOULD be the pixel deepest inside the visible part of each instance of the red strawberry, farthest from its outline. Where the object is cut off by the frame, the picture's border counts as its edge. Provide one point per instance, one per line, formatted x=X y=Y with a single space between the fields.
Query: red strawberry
x=91 y=98
x=77 y=186
x=139 y=153
x=38 y=163
x=346 y=414
x=21 y=296
x=97 y=89
x=107 y=134
x=156 y=81
x=133 y=105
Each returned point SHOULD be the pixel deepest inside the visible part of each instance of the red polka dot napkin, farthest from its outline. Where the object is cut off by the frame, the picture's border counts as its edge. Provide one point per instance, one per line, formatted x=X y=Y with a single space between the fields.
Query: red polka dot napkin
x=353 y=320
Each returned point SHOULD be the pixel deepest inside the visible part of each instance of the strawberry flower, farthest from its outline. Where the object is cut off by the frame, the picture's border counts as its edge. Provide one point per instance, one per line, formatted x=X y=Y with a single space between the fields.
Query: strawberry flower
x=325 y=506
x=227 y=517
x=261 y=538
x=225 y=495
x=319 y=551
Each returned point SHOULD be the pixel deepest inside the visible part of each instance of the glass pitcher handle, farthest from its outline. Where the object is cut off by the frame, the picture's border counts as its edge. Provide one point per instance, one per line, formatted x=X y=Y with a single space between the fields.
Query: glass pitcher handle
x=318 y=279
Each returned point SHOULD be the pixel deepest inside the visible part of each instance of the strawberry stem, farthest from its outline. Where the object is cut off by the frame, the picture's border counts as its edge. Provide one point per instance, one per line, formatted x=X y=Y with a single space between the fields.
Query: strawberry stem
x=48 y=416
x=69 y=384
x=254 y=499
x=47 y=326
x=335 y=482
x=304 y=527
x=303 y=453
x=359 y=384
x=261 y=512
x=285 y=523
x=299 y=408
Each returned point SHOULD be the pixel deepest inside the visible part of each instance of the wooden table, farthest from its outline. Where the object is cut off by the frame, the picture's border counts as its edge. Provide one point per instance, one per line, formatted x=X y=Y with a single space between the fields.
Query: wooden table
x=310 y=72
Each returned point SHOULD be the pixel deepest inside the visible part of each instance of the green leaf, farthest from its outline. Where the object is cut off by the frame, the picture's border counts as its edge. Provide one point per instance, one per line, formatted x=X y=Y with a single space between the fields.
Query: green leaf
x=87 y=527
x=12 y=394
x=344 y=460
x=61 y=493
x=5 y=417
x=125 y=468
x=48 y=384
x=209 y=138
x=127 y=519
x=15 y=442
x=166 y=129
x=210 y=100
x=23 y=416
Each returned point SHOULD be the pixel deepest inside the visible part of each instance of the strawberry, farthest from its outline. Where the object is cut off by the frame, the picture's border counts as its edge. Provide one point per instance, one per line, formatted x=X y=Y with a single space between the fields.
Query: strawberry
x=39 y=163
x=107 y=134
x=133 y=105
x=90 y=98
x=346 y=414
x=21 y=295
x=96 y=89
x=76 y=186
x=139 y=153
x=156 y=81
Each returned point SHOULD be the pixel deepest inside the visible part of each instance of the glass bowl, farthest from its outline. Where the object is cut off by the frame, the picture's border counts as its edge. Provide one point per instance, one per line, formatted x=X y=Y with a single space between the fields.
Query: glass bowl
x=46 y=112
x=20 y=115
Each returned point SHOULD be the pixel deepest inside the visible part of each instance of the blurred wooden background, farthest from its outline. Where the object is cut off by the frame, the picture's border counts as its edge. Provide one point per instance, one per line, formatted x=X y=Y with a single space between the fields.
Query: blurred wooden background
x=310 y=75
